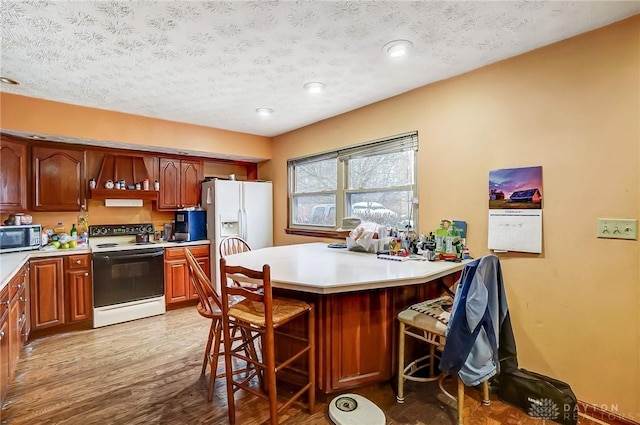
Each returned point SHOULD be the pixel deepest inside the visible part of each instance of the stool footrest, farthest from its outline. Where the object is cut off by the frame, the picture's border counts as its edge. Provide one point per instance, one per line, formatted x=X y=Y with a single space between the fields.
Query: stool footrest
x=417 y=365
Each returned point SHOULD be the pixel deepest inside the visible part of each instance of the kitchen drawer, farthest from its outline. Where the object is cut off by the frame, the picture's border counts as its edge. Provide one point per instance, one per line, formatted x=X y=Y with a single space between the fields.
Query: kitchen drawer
x=178 y=253
x=17 y=283
x=80 y=261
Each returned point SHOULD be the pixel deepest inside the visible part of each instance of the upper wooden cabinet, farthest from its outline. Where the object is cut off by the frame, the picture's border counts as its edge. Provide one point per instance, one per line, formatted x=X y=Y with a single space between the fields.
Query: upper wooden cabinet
x=58 y=179
x=13 y=176
x=179 y=183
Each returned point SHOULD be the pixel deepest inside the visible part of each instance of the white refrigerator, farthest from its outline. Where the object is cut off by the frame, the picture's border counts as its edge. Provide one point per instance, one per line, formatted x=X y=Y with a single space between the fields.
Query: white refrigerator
x=237 y=208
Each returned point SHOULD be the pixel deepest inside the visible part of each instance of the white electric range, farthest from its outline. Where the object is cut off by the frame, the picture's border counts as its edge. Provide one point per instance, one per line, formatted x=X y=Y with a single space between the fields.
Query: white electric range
x=128 y=277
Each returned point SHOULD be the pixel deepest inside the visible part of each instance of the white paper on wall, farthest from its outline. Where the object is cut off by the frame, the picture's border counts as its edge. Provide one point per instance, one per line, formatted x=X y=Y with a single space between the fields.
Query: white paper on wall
x=515 y=230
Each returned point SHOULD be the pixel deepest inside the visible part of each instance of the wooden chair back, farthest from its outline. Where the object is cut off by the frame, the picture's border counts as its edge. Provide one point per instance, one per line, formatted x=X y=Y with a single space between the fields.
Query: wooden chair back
x=253 y=285
x=233 y=245
x=209 y=298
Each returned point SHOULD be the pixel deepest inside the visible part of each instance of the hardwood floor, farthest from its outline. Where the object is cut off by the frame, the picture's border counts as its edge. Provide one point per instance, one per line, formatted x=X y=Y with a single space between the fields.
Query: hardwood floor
x=148 y=372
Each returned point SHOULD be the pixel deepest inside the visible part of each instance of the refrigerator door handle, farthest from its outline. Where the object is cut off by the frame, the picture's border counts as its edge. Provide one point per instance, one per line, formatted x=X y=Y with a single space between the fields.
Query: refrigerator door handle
x=241 y=214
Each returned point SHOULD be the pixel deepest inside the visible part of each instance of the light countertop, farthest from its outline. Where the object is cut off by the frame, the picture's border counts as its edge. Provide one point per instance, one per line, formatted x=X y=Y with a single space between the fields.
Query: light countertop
x=10 y=263
x=316 y=268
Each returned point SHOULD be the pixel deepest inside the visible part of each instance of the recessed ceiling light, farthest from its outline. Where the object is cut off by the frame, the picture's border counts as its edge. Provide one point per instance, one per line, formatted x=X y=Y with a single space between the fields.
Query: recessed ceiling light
x=397 y=48
x=264 y=111
x=314 y=87
x=8 y=81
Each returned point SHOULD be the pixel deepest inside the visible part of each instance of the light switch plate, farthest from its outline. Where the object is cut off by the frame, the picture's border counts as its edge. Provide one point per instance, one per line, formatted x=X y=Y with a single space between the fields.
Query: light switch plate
x=618 y=228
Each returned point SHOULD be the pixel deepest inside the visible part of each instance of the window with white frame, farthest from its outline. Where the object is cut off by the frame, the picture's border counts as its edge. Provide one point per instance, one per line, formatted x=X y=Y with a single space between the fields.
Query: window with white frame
x=375 y=182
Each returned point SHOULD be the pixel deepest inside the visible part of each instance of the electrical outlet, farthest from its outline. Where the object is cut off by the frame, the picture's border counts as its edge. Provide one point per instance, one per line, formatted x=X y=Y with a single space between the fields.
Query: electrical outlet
x=617 y=228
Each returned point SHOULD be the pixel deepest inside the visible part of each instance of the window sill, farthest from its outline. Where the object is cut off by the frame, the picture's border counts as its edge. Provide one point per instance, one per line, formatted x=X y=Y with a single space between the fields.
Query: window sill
x=332 y=234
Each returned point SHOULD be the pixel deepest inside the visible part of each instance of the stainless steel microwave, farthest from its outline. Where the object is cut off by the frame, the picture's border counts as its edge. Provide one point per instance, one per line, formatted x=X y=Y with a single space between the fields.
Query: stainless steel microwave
x=20 y=238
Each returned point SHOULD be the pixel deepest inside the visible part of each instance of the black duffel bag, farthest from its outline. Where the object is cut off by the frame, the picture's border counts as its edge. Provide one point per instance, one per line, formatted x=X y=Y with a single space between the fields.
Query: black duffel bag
x=539 y=396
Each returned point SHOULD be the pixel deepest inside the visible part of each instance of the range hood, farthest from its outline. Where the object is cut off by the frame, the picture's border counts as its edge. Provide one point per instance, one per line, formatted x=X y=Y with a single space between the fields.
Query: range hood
x=131 y=169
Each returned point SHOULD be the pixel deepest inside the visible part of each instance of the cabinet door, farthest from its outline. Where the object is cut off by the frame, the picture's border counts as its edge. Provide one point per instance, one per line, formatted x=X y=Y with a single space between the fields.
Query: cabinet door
x=13 y=176
x=190 y=178
x=25 y=309
x=176 y=281
x=47 y=293
x=4 y=356
x=360 y=324
x=80 y=301
x=58 y=177
x=15 y=338
x=169 y=196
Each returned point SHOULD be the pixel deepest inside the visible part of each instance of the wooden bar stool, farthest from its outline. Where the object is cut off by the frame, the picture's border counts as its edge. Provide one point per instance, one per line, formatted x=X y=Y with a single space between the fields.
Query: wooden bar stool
x=260 y=315
x=210 y=307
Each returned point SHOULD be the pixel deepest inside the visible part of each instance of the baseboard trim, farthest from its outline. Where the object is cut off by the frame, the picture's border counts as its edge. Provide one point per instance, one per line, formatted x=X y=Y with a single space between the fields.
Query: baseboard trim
x=603 y=415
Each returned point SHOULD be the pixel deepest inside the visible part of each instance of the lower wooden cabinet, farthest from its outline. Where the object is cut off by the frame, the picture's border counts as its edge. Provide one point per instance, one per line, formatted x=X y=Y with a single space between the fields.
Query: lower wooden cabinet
x=5 y=335
x=61 y=291
x=177 y=286
x=47 y=293
x=78 y=288
x=14 y=329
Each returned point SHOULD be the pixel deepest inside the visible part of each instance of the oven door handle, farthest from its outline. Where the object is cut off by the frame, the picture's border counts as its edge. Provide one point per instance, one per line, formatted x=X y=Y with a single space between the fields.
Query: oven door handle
x=145 y=255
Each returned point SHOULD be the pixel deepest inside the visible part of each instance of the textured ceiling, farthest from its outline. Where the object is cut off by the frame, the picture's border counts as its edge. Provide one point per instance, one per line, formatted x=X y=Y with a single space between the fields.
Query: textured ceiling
x=213 y=63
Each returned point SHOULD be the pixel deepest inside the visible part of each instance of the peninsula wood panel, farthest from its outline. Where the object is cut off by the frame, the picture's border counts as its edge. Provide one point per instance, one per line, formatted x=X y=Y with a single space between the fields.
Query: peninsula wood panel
x=360 y=346
x=357 y=333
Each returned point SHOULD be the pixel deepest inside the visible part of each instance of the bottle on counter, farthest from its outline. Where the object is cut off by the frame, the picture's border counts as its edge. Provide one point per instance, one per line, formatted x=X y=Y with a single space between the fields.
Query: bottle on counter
x=145 y=184
x=156 y=185
x=74 y=231
x=440 y=234
x=452 y=236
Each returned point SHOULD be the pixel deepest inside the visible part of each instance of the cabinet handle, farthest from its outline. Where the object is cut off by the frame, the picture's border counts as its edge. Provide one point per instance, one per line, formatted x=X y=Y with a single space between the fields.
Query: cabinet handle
x=23 y=299
x=1 y=334
x=6 y=303
x=86 y=273
x=78 y=262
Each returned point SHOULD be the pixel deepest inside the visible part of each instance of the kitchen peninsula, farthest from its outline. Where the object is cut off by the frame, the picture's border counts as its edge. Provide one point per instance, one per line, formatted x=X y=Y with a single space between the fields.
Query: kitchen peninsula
x=357 y=297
